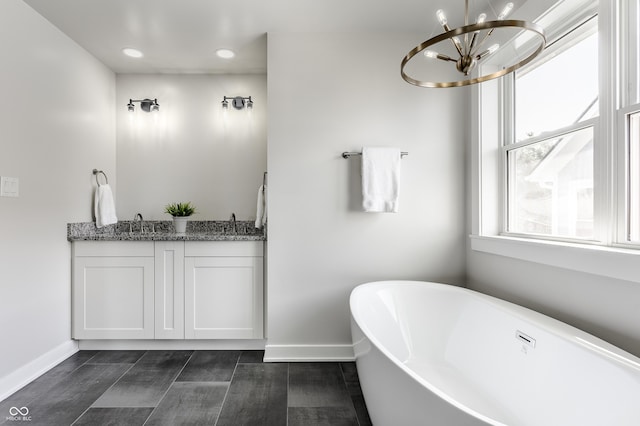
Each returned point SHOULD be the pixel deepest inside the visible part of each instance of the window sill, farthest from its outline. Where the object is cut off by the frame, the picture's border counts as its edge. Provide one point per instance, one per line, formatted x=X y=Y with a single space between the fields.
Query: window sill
x=612 y=262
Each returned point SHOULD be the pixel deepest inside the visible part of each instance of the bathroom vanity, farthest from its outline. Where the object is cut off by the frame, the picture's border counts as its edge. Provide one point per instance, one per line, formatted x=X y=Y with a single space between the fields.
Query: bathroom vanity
x=205 y=284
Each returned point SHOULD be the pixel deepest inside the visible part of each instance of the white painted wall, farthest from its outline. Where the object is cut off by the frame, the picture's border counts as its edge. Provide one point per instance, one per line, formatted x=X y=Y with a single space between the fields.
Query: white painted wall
x=57 y=123
x=605 y=307
x=330 y=93
x=192 y=149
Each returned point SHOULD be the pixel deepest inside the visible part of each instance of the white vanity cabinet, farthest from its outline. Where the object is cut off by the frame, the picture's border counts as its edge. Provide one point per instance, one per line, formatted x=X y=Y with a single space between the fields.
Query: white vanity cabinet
x=167 y=290
x=113 y=290
x=223 y=290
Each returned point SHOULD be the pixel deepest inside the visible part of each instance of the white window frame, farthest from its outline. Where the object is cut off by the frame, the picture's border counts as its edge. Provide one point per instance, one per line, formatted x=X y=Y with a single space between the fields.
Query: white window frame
x=610 y=256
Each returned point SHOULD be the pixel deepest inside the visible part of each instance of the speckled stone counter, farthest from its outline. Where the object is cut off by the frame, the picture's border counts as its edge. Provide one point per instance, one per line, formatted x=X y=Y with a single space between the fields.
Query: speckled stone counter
x=162 y=230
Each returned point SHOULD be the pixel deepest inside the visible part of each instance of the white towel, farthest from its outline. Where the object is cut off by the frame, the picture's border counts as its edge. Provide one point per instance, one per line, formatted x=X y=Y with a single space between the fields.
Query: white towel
x=380 y=179
x=261 y=207
x=105 y=209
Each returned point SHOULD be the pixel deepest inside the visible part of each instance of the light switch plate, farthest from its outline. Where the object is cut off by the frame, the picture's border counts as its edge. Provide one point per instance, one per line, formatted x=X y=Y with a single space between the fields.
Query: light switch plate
x=9 y=186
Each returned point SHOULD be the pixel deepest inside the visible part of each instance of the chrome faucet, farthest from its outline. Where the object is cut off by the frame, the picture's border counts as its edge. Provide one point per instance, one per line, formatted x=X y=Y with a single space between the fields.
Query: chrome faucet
x=232 y=223
x=138 y=217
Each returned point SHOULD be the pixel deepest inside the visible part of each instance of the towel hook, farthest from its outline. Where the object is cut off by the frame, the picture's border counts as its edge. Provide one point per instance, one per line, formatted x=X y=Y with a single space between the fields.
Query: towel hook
x=96 y=172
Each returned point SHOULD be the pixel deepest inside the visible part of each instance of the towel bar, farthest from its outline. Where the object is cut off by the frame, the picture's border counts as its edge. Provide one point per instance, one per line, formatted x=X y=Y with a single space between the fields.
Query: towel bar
x=351 y=154
x=96 y=172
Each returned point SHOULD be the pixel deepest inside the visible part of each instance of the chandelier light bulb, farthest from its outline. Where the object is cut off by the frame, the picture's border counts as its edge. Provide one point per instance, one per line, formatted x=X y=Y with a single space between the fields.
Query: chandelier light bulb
x=441 y=17
x=493 y=48
x=481 y=18
x=506 y=11
x=430 y=54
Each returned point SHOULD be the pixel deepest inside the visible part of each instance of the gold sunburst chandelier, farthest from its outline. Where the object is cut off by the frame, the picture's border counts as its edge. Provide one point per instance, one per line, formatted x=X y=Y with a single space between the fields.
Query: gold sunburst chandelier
x=470 y=45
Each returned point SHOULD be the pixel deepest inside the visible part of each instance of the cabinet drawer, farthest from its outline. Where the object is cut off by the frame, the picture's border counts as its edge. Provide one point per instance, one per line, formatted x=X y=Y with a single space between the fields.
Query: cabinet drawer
x=113 y=248
x=223 y=248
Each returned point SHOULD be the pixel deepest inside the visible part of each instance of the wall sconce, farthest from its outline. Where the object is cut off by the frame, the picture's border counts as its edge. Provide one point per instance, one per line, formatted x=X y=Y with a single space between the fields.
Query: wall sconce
x=146 y=105
x=238 y=102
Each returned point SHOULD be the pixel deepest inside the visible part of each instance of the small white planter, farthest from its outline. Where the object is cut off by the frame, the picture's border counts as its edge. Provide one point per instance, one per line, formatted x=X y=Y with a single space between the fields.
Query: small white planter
x=180 y=224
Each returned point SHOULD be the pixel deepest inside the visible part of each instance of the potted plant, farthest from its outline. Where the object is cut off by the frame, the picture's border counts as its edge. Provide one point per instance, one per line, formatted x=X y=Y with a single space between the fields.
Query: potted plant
x=180 y=213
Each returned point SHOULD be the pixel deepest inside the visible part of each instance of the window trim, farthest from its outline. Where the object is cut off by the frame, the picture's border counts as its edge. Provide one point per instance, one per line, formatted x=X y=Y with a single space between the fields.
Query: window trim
x=622 y=177
x=610 y=262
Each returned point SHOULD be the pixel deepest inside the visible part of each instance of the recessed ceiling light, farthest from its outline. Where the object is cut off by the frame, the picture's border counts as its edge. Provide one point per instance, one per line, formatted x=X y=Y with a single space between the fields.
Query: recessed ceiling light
x=225 y=53
x=134 y=53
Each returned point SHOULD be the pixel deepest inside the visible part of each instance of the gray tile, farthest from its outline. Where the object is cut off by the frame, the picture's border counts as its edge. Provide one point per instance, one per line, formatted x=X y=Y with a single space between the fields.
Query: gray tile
x=73 y=394
x=251 y=357
x=362 y=413
x=321 y=416
x=210 y=366
x=147 y=381
x=115 y=357
x=350 y=373
x=317 y=385
x=190 y=403
x=43 y=384
x=114 y=417
x=257 y=396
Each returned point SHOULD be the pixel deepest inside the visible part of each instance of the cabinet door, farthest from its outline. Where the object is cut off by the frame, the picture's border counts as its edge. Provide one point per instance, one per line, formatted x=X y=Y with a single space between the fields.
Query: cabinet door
x=169 y=290
x=223 y=298
x=113 y=298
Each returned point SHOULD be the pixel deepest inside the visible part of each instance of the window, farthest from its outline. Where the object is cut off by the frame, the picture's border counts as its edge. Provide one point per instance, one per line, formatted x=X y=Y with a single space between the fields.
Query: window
x=556 y=161
x=560 y=91
x=551 y=186
x=549 y=158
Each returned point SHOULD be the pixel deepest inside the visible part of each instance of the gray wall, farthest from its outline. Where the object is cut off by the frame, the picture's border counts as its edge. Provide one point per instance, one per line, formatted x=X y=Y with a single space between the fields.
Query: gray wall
x=57 y=124
x=605 y=307
x=330 y=93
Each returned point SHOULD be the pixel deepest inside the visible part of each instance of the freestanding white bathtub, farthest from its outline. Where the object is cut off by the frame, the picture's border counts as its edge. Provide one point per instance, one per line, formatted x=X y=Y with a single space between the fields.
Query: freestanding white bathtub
x=435 y=354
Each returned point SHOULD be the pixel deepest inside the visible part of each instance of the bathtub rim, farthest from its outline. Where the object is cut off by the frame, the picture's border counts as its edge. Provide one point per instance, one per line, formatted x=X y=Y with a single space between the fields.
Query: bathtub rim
x=571 y=334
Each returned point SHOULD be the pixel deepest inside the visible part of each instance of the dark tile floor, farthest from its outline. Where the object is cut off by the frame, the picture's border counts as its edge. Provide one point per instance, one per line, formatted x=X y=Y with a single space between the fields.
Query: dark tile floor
x=223 y=388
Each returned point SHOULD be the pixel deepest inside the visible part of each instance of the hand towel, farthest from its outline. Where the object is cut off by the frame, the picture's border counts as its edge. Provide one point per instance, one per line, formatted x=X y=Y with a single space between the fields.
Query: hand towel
x=380 y=179
x=261 y=207
x=104 y=206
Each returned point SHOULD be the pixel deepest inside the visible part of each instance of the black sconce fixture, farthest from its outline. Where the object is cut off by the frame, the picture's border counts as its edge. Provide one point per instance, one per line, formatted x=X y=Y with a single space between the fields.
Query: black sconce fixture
x=238 y=102
x=146 y=105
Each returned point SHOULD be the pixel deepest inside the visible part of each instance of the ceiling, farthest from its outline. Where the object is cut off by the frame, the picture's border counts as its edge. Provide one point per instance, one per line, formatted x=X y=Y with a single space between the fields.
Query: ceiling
x=181 y=36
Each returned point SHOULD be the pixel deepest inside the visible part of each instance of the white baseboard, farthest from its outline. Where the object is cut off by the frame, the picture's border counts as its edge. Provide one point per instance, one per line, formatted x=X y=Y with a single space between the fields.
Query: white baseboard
x=308 y=353
x=34 y=369
x=171 y=345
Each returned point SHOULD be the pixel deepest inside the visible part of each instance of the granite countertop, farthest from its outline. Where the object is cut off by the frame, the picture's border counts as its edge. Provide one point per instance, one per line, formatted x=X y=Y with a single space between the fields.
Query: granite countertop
x=162 y=230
